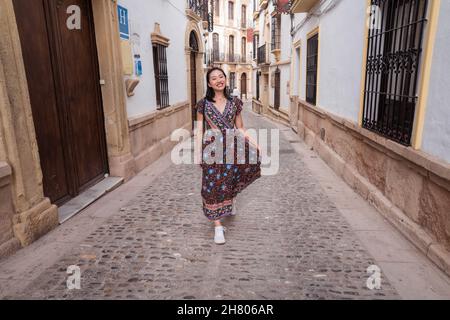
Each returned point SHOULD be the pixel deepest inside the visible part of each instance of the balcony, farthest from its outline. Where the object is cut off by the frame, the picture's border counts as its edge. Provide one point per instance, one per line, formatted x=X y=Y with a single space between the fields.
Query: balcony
x=237 y=58
x=263 y=56
x=215 y=57
x=245 y=24
x=303 y=6
x=263 y=4
x=203 y=9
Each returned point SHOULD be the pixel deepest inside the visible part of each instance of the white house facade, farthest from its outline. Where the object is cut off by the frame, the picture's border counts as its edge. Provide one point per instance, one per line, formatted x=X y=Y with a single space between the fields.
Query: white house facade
x=369 y=96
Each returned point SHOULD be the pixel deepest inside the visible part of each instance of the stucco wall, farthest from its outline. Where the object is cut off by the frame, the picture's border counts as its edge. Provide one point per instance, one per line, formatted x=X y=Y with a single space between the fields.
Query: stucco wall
x=142 y=15
x=340 y=57
x=436 y=134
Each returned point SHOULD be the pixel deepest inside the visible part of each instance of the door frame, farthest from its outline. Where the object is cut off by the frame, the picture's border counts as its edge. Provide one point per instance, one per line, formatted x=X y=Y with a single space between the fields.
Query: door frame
x=32 y=210
x=192 y=26
x=60 y=75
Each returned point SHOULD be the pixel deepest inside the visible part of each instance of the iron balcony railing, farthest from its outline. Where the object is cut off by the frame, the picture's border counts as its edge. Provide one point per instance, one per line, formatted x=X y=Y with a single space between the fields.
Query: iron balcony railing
x=205 y=10
x=245 y=23
x=215 y=57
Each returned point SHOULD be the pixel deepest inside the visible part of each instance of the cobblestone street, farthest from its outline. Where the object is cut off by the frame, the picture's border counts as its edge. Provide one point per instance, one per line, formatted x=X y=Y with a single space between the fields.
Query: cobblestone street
x=290 y=240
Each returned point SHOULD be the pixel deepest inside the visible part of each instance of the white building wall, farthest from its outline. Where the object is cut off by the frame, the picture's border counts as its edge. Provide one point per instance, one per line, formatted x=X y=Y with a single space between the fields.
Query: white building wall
x=436 y=135
x=341 y=46
x=301 y=35
x=284 y=93
x=286 y=40
x=143 y=15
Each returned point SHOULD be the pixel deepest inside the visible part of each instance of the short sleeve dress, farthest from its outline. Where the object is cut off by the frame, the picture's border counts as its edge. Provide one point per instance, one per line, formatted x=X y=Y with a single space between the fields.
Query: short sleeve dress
x=223 y=178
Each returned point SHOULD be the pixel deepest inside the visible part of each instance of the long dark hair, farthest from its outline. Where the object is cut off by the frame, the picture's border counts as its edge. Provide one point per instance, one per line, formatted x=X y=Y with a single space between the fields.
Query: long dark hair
x=210 y=93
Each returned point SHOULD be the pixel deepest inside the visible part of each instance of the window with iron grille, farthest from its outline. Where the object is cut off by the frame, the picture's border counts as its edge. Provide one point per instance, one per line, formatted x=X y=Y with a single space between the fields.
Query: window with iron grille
x=216 y=56
x=244 y=50
x=311 y=69
x=161 y=77
x=217 y=8
x=232 y=80
x=231 y=49
x=255 y=46
x=276 y=34
x=276 y=103
x=230 y=10
x=244 y=17
x=393 y=61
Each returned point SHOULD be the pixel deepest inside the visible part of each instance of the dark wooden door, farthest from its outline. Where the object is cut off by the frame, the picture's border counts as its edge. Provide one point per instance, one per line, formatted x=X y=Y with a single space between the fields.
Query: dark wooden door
x=244 y=86
x=277 y=89
x=63 y=80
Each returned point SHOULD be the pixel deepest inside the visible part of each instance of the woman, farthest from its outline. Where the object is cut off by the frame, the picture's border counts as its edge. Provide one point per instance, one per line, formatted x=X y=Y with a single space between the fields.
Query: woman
x=223 y=180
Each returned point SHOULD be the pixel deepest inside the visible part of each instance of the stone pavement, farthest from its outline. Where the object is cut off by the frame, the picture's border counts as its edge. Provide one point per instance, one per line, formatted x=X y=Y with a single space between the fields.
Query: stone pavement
x=294 y=238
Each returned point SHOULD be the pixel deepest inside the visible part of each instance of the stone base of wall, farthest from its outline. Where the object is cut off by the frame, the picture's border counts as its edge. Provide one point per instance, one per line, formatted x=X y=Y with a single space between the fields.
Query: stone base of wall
x=20 y=230
x=8 y=243
x=122 y=166
x=271 y=113
x=257 y=106
x=278 y=115
x=150 y=134
x=409 y=188
x=36 y=222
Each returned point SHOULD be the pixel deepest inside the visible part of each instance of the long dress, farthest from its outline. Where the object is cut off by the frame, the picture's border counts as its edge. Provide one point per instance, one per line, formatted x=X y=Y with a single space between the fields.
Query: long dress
x=223 y=180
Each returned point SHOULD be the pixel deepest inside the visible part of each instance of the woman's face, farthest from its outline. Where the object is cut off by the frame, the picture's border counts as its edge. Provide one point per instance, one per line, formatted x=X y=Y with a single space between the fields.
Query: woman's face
x=217 y=80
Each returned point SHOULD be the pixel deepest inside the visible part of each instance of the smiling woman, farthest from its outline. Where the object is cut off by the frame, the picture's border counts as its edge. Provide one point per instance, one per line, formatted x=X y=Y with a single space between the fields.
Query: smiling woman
x=221 y=181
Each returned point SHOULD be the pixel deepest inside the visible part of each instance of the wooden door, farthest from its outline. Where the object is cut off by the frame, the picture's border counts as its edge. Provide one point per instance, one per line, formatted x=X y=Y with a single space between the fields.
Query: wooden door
x=277 y=89
x=63 y=81
x=244 y=86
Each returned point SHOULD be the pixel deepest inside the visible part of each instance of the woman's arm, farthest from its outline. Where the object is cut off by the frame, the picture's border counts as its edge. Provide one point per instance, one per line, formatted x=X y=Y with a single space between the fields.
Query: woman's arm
x=240 y=127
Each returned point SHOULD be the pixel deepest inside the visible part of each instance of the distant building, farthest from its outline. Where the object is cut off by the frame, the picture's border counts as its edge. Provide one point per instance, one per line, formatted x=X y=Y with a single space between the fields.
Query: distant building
x=230 y=44
x=370 y=94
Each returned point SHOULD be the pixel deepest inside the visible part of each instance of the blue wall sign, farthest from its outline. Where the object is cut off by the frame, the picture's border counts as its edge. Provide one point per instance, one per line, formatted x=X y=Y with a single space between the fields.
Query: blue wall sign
x=124 y=26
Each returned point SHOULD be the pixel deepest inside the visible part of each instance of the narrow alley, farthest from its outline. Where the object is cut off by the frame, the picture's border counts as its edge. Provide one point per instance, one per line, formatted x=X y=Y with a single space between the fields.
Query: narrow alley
x=300 y=234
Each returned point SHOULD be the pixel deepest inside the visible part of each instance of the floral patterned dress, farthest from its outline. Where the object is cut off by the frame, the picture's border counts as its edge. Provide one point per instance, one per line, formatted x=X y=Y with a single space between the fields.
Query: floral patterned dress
x=223 y=180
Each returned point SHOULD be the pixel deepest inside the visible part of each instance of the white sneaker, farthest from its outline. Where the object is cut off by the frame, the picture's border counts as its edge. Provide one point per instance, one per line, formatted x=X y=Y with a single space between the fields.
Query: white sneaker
x=219 y=237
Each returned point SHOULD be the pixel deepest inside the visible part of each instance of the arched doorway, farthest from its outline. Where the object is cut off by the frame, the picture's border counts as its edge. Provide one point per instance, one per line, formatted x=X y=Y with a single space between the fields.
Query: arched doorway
x=244 y=86
x=193 y=46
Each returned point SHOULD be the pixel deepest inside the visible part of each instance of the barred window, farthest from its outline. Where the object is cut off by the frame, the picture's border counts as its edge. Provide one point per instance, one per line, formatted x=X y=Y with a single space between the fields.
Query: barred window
x=231 y=49
x=232 y=80
x=243 y=49
x=216 y=56
x=217 y=8
x=255 y=46
x=311 y=69
x=230 y=10
x=276 y=32
x=161 y=77
x=244 y=17
x=393 y=61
